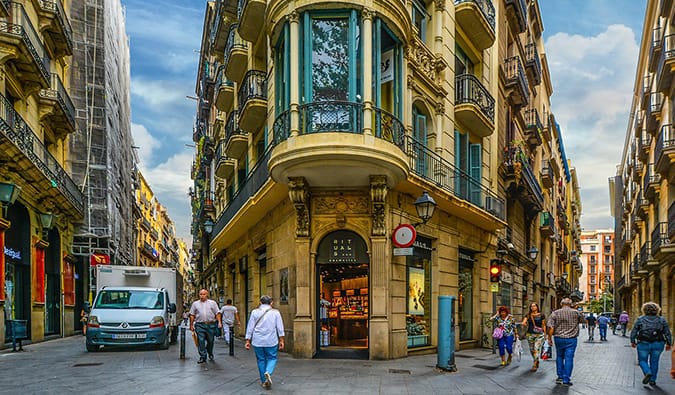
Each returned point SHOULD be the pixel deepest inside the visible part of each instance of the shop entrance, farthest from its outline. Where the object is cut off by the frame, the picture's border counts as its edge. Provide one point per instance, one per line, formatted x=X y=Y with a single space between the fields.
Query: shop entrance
x=342 y=299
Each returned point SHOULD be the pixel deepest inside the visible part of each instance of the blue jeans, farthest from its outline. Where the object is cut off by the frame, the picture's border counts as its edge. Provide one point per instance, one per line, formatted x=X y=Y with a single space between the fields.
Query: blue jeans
x=506 y=342
x=564 y=361
x=648 y=357
x=205 y=335
x=603 y=331
x=267 y=360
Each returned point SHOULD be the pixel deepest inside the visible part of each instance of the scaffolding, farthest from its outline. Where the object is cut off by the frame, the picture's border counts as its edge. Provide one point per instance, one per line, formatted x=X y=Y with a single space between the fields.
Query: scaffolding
x=103 y=160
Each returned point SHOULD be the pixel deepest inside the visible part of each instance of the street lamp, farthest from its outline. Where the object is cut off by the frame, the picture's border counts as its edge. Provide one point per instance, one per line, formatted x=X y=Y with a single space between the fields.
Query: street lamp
x=208 y=226
x=425 y=206
x=9 y=192
x=532 y=252
x=47 y=221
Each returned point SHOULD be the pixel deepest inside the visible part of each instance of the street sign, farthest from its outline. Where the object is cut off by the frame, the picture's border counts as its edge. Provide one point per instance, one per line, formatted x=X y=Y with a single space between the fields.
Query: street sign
x=403 y=251
x=494 y=287
x=404 y=235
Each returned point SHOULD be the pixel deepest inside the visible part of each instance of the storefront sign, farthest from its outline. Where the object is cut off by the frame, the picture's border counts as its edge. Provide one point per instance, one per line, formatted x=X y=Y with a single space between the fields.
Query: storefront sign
x=423 y=244
x=343 y=250
x=342 y=246
x=403 y=251
x=12 y=254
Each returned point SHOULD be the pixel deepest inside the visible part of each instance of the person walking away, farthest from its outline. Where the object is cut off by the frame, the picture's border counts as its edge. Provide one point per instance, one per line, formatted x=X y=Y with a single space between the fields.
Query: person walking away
x=563 y=326
x=535 y=322
x=590 y=320
x=265 y=332
x=230 y=317
x=614 y=322
x=204 y=316
x=603 y=322
x=186 y=317
x=649 y=334
x=624 y=318
x=505 y=320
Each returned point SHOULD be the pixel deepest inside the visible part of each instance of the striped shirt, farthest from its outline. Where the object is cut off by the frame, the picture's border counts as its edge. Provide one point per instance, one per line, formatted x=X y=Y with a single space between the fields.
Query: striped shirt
x=565 y=322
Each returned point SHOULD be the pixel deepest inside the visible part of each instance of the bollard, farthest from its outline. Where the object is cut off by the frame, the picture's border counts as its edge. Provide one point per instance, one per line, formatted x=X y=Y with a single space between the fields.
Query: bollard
x=182 y=342
x=446 y=333
x=232 y=341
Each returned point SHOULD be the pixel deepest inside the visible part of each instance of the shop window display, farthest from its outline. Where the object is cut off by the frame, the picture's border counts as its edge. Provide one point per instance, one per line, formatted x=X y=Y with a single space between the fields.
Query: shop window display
x=418 y=322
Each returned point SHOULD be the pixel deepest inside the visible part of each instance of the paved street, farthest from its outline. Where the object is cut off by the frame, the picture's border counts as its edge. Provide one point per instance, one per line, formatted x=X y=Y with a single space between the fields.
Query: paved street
x=63 y=366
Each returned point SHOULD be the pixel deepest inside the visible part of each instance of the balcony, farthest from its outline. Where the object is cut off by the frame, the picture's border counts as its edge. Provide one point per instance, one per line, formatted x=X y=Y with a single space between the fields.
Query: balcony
x=642 y=206
x=235 y=138
x=546 y=224
x=662 y=237
x=516 y=82
x=516 y=14
x=331 y=140
x=533 y=63
x=150 y=251
x=637 y=169
x=655 y=49
x=547 y=175
x=654 y=112
x=25 y=153
x=474 y=107
x=55 y=27
x=645 y=143
x=664 y=152
x=56 y=108
x=477 y=19
x=646 y=89
x=31 y=59
x=535 y=16
x=251 y=19
x=666 y=66
x=236 y=56
x=224 y=165
x=224 y=99
x=524 y=185
x=252 y=100
x=547 y=130
x=219 y=29
x=145 y=224
x=533 y=127
x=645 y=255
x=651 y=182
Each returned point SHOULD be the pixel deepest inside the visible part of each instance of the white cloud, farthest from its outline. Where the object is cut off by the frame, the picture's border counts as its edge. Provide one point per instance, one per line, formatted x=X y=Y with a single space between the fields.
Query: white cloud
x=145 y=142
x=593 y=80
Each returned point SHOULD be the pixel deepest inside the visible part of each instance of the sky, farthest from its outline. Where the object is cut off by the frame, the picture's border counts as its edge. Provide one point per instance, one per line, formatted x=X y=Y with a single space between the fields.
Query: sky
x=591 y=46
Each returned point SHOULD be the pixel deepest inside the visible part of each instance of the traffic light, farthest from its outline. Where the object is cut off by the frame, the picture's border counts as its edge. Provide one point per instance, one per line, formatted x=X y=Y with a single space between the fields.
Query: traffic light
x=495 y=271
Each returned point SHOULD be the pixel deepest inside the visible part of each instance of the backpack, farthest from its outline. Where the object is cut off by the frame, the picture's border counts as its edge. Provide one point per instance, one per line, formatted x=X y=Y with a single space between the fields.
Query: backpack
x=651 y=330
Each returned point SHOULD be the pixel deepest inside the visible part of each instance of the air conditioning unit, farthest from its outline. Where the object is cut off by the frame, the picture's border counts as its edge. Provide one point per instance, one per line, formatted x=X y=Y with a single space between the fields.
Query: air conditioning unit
x=495 y=206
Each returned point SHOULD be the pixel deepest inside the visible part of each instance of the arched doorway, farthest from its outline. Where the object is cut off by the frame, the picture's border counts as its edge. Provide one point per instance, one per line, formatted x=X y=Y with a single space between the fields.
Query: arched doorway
x=17 y=267
x=342 y=299
x=53 y=284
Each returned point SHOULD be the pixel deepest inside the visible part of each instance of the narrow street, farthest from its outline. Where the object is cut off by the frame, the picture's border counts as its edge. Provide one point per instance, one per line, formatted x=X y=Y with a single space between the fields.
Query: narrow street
x=63 y=366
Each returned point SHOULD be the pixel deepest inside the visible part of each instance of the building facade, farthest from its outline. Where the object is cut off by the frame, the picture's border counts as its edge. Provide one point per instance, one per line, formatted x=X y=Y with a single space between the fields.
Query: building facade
x=45 y=207
x=643 y=189
x=319 y=127
x=597 y=256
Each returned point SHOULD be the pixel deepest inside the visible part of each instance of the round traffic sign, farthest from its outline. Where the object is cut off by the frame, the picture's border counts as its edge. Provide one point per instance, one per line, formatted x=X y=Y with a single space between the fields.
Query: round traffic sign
x=404 y=235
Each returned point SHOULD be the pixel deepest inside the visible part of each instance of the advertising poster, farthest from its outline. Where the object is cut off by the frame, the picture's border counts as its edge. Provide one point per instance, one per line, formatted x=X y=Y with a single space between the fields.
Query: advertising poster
x=415 y=291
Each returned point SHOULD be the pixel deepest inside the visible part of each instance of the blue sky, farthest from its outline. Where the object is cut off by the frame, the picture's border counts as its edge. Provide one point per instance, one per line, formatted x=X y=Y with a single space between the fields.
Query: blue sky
x=591 y=46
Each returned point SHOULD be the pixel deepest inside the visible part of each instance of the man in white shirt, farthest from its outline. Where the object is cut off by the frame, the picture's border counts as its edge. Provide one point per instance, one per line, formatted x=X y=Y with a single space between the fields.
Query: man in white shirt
x=204 y=315
x=230 y=317
x=265 y=331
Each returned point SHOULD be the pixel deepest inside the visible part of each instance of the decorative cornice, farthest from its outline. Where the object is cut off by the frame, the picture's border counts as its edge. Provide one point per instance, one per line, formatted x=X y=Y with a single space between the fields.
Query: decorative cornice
x=439 y=5
x=367 y=13
x=294 y=17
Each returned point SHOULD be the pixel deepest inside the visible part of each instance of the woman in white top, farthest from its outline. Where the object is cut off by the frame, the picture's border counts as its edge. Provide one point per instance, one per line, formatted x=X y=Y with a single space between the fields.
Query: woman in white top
x=265 y=331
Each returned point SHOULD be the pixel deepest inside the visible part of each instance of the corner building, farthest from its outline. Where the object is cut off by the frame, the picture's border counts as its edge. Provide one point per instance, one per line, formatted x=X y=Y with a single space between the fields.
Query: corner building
x=319 y=124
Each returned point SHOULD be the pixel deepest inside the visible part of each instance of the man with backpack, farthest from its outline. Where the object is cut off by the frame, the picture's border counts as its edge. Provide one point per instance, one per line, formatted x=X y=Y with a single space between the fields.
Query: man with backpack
x=650 y=333
x=623 y=321
x=590 y=320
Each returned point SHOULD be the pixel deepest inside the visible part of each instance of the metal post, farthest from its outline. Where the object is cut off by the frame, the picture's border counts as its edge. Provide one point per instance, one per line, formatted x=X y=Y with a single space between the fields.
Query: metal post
x=494 y=311
x=446 y=334
x=182 y=342
x=231 y=341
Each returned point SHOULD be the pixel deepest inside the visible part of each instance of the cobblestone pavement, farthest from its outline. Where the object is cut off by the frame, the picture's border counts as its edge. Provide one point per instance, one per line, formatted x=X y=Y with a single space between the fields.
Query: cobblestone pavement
x=63 y=366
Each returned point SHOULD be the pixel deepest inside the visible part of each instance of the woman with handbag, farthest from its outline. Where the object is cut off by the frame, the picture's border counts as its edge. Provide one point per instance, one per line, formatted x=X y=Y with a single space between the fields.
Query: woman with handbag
x=505 y=333
x=535 y=322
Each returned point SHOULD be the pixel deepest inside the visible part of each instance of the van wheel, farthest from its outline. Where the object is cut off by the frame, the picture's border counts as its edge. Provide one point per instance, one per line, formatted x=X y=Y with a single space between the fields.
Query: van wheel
x=165 y=345
x=92 y=347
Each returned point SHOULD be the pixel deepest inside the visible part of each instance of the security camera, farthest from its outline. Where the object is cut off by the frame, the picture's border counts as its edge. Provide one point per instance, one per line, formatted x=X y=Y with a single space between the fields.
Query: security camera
x=510 y=246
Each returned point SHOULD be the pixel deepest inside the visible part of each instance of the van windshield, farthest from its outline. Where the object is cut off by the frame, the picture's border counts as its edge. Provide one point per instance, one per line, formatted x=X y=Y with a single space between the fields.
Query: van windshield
x=119 y=299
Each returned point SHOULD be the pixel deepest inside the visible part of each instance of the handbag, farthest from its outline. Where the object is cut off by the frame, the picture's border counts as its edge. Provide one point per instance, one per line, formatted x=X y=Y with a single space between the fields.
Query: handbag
x=498 y=332
x=535 y=328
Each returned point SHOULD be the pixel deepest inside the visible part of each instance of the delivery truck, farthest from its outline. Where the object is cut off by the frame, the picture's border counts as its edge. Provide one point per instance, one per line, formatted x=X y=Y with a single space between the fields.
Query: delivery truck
x=134 y=306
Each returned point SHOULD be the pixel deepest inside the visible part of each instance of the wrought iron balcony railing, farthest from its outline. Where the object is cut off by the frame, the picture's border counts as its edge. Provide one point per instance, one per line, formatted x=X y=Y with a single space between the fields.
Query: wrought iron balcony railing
x=58 y=92
x=233 y=41
x=254 y=86
x=232 y=125
x=468 y=89
x=485 y=7
x=19 y=24
x=56 y=7
x=331 y=116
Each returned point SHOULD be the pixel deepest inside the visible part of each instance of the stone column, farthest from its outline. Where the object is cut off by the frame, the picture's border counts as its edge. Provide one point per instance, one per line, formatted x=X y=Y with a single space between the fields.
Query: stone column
x=294 y=21
x=367 y=17
x=303 y=324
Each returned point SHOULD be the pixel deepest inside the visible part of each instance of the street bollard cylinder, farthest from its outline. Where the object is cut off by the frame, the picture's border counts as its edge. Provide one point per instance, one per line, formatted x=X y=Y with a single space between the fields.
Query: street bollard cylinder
x=182 y=342
x=446 y=333
x=231 y=340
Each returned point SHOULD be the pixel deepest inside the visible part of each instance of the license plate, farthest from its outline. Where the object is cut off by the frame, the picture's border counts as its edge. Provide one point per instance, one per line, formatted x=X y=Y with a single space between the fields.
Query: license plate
x=129 y=336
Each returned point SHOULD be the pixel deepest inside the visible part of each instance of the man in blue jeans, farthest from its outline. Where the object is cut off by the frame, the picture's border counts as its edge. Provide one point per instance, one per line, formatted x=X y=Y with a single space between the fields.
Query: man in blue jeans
x=563 y=326
x=265 y=332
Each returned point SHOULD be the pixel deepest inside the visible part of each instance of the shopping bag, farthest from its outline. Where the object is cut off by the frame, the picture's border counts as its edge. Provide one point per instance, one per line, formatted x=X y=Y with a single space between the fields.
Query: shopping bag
x=518 y=349
x=546 y=350
x=195 y=338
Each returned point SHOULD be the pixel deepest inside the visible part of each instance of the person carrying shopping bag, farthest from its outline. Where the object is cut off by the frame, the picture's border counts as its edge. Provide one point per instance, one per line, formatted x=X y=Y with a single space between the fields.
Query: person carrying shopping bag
x=507 y=326
x=649 y=334
x=535 y=322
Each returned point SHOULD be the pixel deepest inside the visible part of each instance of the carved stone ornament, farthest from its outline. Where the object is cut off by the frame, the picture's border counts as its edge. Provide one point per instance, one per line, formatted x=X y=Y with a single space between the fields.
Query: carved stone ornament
x=298 y=191
x=340 y=205
x=294 y=17
x=440 y=5
x=378 y=195
x=367 y=13
x=423 y=60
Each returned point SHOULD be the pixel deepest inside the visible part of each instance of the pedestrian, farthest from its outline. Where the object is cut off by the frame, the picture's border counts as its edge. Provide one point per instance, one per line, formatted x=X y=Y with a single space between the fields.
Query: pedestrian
x=603 y=322
x=563 y=326
x=505 y=321
x=535 y=322
x=230 y=316
x=323 y=310
x=614 y=322
x=265 y=332
x=624 y=318
x=205 y=319
x=649 y=334
x=590 y=320
x=186 y=317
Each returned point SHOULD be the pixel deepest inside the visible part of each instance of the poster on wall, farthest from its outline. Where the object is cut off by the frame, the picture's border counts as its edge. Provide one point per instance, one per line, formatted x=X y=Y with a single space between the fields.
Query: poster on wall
x=283 y=298
x=415 y=291
x=387 y=66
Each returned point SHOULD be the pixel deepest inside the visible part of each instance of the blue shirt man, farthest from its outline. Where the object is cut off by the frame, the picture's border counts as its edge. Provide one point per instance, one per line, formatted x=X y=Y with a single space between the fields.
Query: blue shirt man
x=603 y=322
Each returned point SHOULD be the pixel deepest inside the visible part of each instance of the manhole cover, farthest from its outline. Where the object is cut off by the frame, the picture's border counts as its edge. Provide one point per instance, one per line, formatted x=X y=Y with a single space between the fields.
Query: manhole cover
x=401 y=371
x=77 y=365
x=486 y=367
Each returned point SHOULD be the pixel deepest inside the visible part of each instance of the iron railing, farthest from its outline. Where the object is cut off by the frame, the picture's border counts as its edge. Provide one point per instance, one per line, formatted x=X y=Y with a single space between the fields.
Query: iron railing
x=58 y=92
x=56 y=7
x=468 y=89
x=331 y=116
x=232 y=125
x=645 y=253
x=666 y=141
x=521 y=12
x=13 y=126
x=532 y=59
x=389 y=128
x=282 y=127
x=253 y=86
x=515 y=74
x=660 y=237
x=485 y=7
x=233 y=41
x=19 y=24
